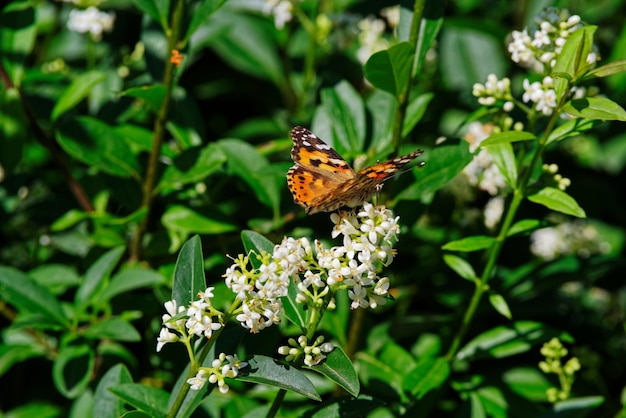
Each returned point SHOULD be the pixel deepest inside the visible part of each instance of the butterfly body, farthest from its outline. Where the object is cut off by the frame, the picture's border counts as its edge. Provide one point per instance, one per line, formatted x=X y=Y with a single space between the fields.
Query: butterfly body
x=322 y=181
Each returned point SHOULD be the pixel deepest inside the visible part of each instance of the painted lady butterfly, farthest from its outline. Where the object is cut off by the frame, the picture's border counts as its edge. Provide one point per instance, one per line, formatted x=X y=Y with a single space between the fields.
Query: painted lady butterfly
x=322 y=181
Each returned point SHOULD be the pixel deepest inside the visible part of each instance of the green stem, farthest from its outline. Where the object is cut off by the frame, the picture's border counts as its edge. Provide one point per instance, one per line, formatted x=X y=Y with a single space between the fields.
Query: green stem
x=159 y=132
x=494 y=251
x=197 y=362
x=405 y=95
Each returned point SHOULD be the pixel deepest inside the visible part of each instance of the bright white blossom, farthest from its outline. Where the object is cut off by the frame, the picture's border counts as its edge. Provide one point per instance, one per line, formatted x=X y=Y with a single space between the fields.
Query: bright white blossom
x=542 y=94
x=92 y=21
x=567 y=238
x=537 y=47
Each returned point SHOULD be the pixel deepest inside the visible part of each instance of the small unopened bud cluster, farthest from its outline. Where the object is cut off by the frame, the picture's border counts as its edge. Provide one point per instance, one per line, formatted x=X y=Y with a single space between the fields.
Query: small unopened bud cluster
x=313 y=354
x=225 y=366
x=494 y=91
x=554 y=352
x=560 y=182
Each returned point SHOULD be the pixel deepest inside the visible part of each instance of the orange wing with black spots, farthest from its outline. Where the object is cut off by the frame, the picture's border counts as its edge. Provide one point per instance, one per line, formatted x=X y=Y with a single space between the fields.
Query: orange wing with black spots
x=322 y=181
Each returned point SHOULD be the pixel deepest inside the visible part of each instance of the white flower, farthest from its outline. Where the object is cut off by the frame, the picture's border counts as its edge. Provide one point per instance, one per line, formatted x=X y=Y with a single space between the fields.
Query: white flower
x=198 y=381
x=165 y=336
x=370 y=38
x=542 y=94
x=280 y=9
x=493 y=211
x=91 y=21
x=567 y=238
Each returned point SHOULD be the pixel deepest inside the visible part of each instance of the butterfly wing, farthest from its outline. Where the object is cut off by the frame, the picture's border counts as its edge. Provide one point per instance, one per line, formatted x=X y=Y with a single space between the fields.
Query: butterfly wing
x=381 y=171
x=319 y=172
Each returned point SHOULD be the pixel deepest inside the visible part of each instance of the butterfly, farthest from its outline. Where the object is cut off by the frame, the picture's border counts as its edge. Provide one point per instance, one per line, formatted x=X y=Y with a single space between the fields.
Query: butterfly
x=322 y=181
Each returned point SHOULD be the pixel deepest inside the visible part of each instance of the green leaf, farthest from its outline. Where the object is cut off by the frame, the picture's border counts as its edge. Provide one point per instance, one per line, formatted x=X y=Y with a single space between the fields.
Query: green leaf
x=508 y=137
x=346 y=110
x=595 y=108
x=79 y=89
x=130 y=279
x=268 y=371
x=152 y=96
x=390 y=69
x=148 y=399
x=345 y=406
x=189 y=273
x=499 y=304
x=18 y=31
x=528 y=382
x=572 y=60
x=504 y=158
x=68 y=220
x=29 y=297
x=253 y=241
x=338 y=368
x=559 y=201
x=248 y=44
x=105 y=402
x=606 y=70
x=246 y=162
x=468 y=244
x=571 y=128
x=57 y=278
x=16 y=353
x=97 y=144
x=191 y=166
x=576 y=408
x=113 y=328
x=429 y=29
x=415 y=111
x=442 y=165
x=293 y=310
x=180 y=222
x=201 y=14
x=428 y=374
x=525 y=225
x=507 y=340
x=72 y=369
x=381 y=107
x=468 y=54
x=96 y=277
x=460 y=266
x=158 y=10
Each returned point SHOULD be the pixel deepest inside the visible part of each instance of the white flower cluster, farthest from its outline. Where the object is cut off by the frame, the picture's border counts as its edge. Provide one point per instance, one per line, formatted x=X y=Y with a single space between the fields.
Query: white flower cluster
x=567 y=238
x=260 y=289
x=540 y=50
x=371 y=38
x=542 y=94
x=217 y=372
x=91 y=20
x=200 y=319
x=313 y=354
x=368 y=240
x=482 y=172
x=494 y=90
